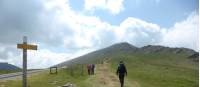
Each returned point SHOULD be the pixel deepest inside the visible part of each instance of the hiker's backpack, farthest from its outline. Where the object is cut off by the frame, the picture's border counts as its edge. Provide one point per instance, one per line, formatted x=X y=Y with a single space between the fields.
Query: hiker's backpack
x=121 y=68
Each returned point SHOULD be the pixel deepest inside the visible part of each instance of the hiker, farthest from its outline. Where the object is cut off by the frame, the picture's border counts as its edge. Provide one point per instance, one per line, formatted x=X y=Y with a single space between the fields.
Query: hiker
x=92 y=69
x=121 y=72
x=89 y=69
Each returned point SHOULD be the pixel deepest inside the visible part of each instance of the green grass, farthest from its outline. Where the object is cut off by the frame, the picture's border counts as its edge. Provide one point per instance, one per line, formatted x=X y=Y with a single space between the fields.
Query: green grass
x=148 y=70
x=8 y=71
x=45 y=79
x=160 y=70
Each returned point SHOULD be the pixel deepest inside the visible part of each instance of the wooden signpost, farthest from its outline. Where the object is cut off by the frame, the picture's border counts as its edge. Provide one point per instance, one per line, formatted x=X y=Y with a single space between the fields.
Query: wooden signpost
x=25 y=47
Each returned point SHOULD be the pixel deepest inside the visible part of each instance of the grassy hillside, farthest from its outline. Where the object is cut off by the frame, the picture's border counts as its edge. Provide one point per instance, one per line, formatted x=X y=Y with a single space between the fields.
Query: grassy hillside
x=44 y=79
x=150 y=66
x=8 y=68
x=159 y=70
x=8 y=71
x=127 y=49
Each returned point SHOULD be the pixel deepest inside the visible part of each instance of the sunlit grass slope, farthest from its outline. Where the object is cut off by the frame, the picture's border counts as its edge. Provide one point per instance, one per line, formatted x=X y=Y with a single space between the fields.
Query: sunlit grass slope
x=44 y=79
x=160 y=70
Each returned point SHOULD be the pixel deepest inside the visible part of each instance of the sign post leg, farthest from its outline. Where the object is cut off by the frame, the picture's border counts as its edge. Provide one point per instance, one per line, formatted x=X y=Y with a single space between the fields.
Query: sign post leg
x=24 y=68
x=24 y=82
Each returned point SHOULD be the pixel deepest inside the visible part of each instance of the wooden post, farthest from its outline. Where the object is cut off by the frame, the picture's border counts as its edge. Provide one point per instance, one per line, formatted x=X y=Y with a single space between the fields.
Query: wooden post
x=82 y=69
x=72 y=72
x=56 y=70
x=25 y=47
x=24 y=63
x=52 y=69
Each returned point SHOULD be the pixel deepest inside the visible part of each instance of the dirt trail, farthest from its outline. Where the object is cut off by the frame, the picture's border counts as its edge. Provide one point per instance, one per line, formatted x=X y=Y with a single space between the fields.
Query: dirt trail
x=105 y=78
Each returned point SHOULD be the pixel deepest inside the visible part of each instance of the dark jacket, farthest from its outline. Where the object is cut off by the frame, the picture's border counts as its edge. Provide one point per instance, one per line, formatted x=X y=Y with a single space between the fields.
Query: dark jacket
x=121 y=69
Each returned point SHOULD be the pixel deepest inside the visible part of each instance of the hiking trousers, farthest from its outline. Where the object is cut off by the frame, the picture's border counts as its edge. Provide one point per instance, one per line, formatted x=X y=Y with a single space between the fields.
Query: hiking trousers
x=121 y=79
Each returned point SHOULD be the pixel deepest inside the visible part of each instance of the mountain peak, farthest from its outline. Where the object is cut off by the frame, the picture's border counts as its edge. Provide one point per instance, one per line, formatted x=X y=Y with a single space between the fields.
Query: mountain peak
x=125 y=46
x=123 y=43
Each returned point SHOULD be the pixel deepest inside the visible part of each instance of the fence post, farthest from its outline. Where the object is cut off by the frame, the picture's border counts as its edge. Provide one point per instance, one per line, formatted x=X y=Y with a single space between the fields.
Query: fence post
x=82 y=70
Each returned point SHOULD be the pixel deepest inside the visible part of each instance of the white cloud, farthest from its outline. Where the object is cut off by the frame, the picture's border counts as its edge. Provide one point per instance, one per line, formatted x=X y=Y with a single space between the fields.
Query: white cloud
x=58 y=28
x=39 y=59
x=113 y=6
x=184 y=33
x=45 y=58
x=138 y=32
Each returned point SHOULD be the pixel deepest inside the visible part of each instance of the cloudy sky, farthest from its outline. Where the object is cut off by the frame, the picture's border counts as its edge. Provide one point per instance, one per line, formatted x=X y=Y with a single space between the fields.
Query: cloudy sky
x=65 y=29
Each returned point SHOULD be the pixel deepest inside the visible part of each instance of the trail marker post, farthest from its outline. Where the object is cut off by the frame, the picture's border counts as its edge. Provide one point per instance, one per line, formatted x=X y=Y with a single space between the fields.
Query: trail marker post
x=25 y=47
x=53 y=68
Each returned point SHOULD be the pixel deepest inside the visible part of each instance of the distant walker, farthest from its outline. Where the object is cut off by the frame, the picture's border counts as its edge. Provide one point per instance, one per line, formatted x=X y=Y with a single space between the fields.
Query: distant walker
x=90 y=69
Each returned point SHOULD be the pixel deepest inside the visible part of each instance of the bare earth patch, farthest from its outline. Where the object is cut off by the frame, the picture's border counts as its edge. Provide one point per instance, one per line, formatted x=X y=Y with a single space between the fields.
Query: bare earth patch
x=105 y=78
